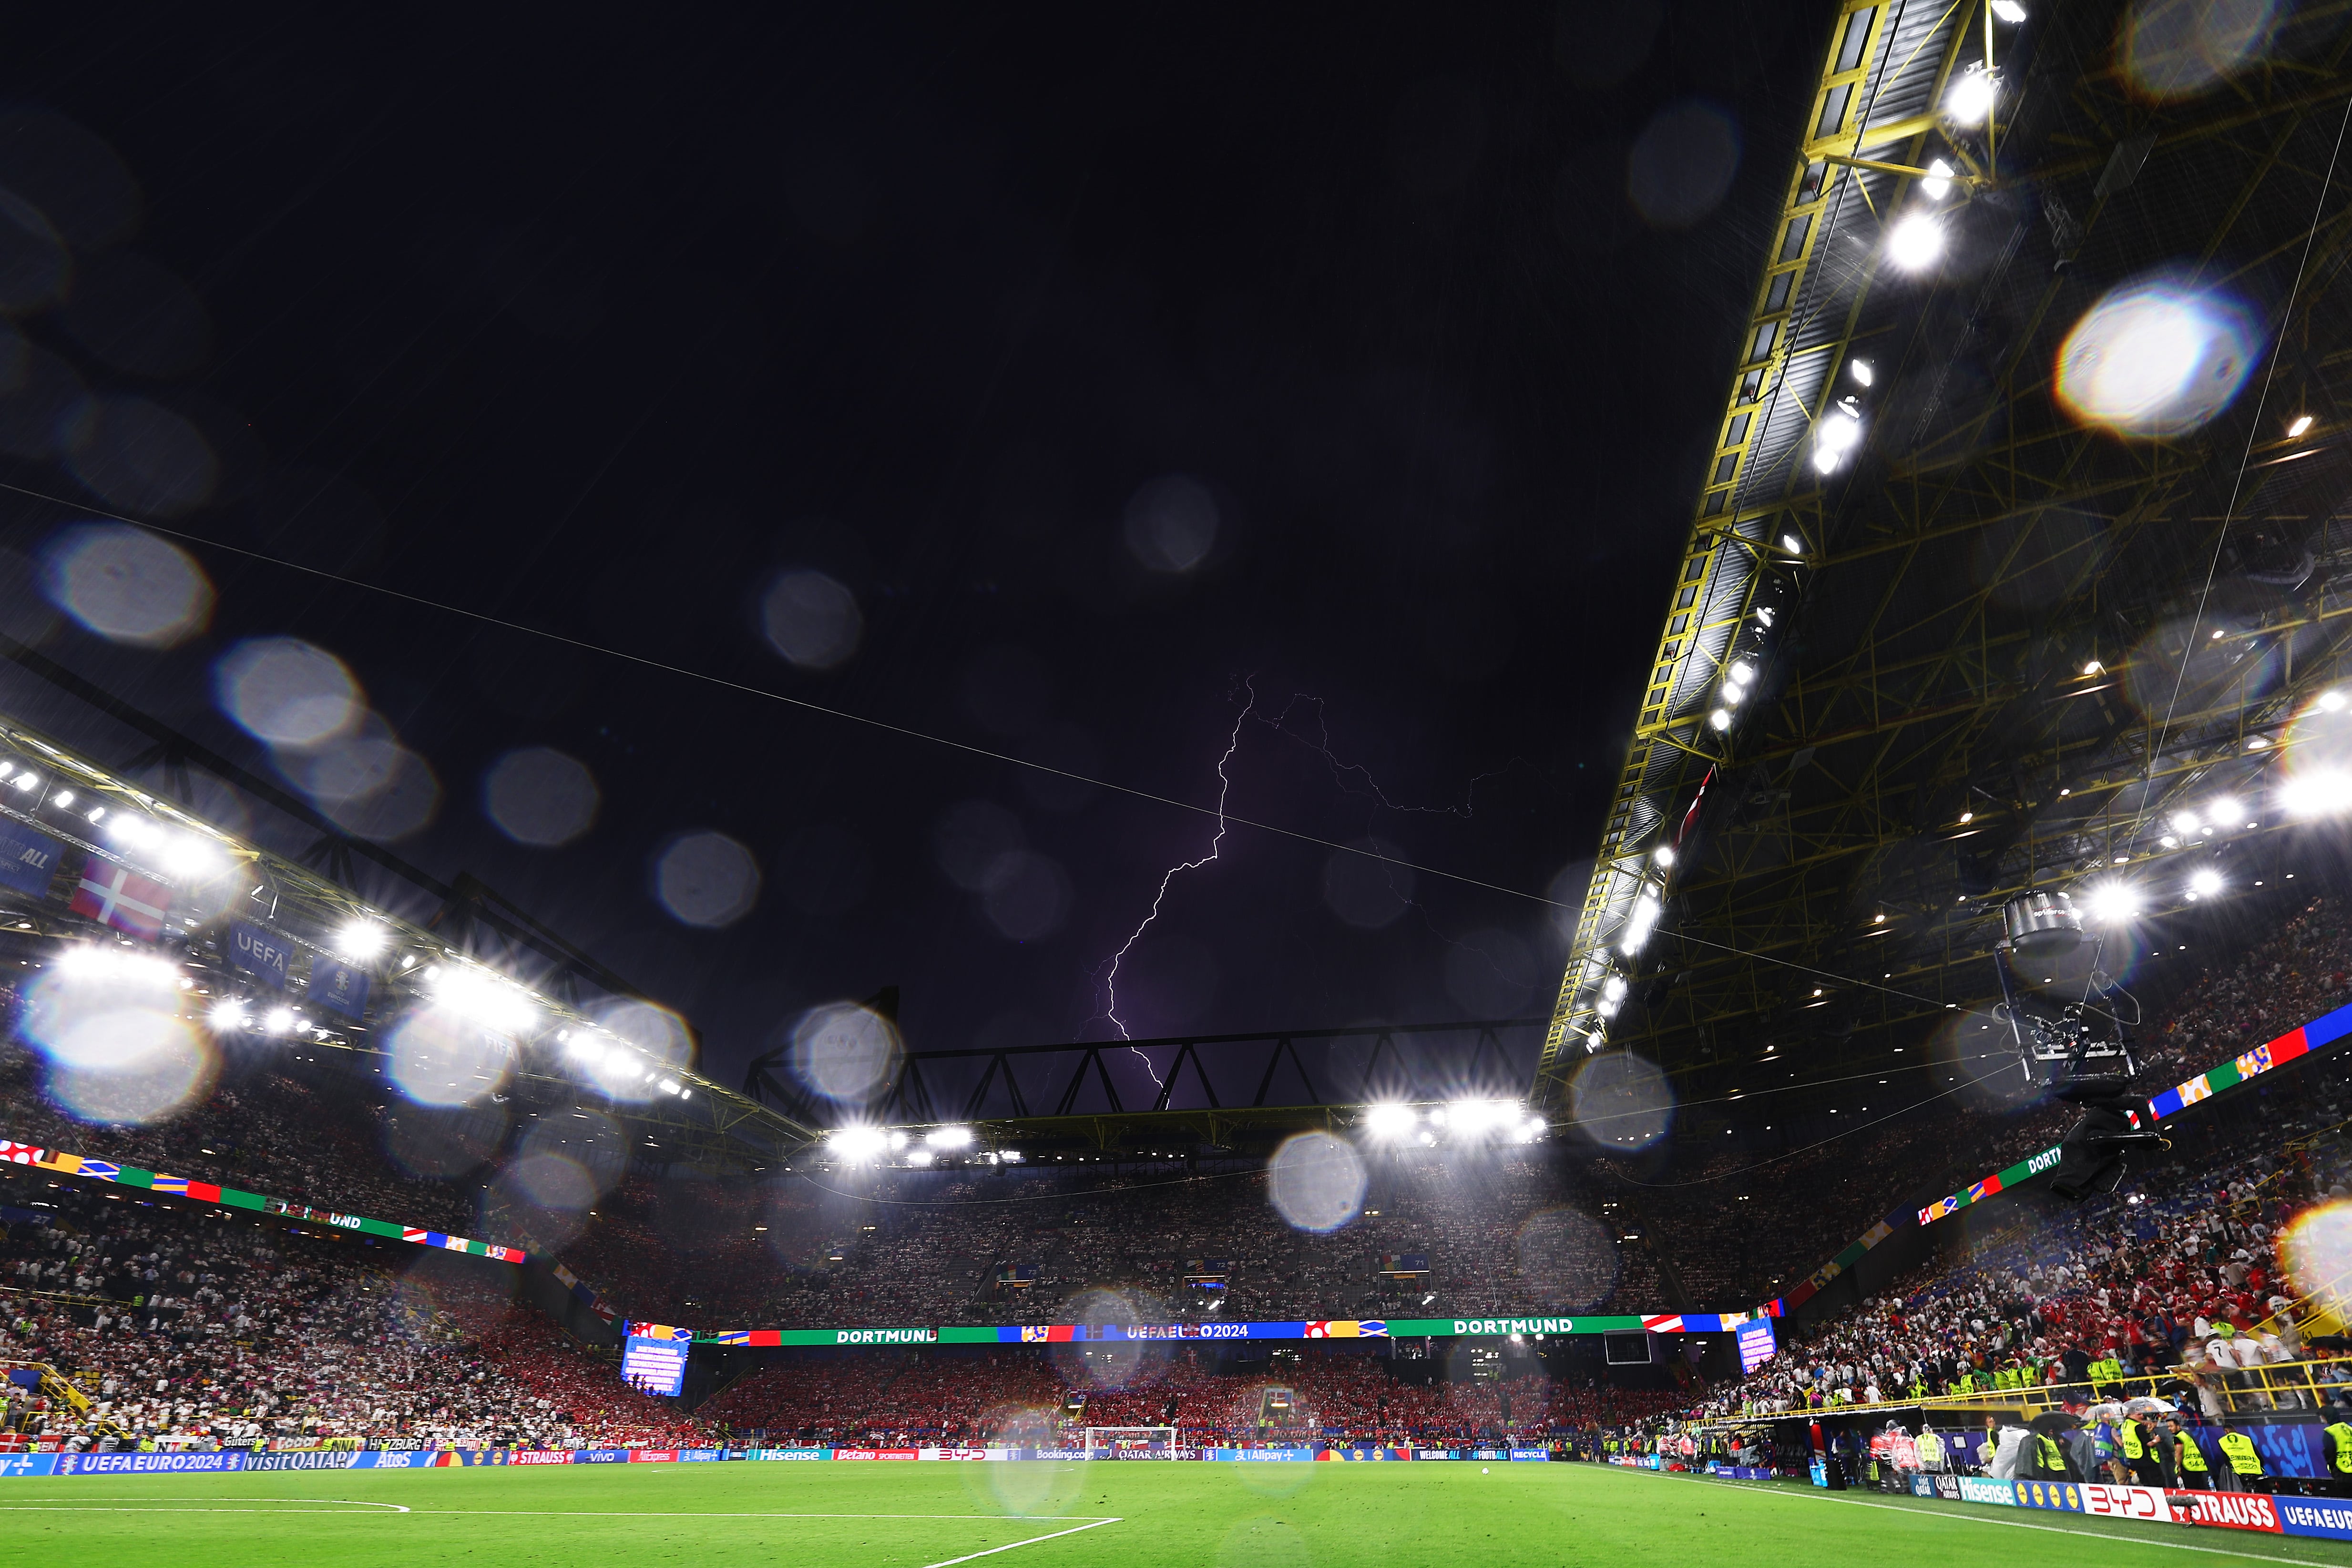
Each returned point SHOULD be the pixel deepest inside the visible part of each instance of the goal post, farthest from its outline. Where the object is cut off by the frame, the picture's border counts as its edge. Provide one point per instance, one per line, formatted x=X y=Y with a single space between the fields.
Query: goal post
x=1130 y=1442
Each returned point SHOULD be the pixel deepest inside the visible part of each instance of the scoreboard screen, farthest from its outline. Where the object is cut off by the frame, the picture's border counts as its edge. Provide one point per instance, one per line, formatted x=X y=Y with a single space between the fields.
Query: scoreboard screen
x=656 y=1365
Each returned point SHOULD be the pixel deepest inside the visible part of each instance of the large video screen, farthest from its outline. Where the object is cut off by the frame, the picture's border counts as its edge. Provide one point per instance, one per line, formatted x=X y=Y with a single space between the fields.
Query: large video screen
x=1755 y=1345
x=656 y=1365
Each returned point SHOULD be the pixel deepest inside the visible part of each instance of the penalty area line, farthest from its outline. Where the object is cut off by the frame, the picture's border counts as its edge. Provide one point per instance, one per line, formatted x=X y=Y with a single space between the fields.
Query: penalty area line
x=2023 y=1524
x=752 y=1514
x=950 y=1562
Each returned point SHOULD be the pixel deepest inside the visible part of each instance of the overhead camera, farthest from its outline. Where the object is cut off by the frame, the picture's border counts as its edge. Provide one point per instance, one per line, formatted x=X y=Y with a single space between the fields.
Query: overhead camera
x=2079 y=1050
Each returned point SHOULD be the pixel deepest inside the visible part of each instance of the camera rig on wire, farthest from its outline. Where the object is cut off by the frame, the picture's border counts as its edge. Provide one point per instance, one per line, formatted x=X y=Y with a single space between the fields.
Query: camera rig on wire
x=2078 y=1051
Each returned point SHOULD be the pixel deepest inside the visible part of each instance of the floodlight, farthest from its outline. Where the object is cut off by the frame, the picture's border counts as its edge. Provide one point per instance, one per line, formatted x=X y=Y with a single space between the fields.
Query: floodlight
x=25 y=780
x=1938 y=182
x=1969 y=101
x=1731 y=695
x=1638 y=923
x=2331 y=701
x=856 y=1143
x=2008 y=10
x=2094 y=668
x=1665 y=854
x=226 y=1017
x=2317 y=794
x=2302 y=423
x=1860 y=370
x=1719 y=719
x=1915 y=242
x=360 y=939
x=62 y=797
x=897 y=1140
x=2186 y=823
x=2221 y=811
x=1614 y=988
x=918 y=1156
x=1388 y=1120
x=279 y=1021
x=2205 y=883
x=1741 y=674
x=949 y=1137
x=2111 y=903
x=1010 y=1156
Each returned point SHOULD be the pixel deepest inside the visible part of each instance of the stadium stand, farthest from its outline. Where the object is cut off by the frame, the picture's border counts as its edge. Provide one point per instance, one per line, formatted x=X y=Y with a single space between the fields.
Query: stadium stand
x=182 y=1322
x=1728 y=1256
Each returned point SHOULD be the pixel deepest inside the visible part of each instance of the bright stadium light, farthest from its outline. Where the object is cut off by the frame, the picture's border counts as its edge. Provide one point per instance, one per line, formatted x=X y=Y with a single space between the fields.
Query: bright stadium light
x=1970 y=100
x=1639 y=925
x=62 y=797
x=857 y=1143
x=1389 y=1120
x=1741 y=673
x=1938 y=182
x=1665 y=854
x=360 y=939
x=918 y=1156
x=1914 y=243
x=2008 y=10
x=226 y=1017
x=1860 y=370
x=1720 y=718
x=1476 y=1116
x=481 y=996
x=949 y=1137
x=2332 y=702
x=2204 y=883
x=2186 y=823
x=1835 y=434
x=279 y=1021
x=2321 y=794
x=2302 y=423
x=2111 y=903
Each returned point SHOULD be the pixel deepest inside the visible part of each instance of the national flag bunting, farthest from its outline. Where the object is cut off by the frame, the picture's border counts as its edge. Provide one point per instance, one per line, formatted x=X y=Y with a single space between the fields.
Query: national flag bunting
x=121 y=898
x=17 y=1154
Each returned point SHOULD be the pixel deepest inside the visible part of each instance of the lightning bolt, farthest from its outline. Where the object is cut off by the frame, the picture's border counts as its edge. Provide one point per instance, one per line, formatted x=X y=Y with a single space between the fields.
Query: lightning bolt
x=1224 y=786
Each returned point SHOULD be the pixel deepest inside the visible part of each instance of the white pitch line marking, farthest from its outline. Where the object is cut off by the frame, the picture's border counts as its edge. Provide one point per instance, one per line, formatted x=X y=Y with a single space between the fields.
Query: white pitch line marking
x=950 y=1562
x=759 y=1513
x=167 y=1505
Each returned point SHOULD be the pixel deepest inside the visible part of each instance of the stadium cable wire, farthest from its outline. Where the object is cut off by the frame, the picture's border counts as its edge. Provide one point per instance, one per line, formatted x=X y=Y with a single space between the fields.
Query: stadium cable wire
x=1808 y=1148
x=2237 y=484
x=912 y=733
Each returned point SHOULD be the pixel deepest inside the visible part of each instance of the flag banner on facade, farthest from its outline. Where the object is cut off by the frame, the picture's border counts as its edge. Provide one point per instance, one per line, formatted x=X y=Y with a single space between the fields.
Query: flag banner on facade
x=339 y=986
x=65 y=1164
x=259 y=953
x=118 y=896
x=29 y=858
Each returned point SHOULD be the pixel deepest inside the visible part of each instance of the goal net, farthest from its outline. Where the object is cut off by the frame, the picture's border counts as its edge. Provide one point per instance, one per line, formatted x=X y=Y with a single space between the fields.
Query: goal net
x=1130 y=1442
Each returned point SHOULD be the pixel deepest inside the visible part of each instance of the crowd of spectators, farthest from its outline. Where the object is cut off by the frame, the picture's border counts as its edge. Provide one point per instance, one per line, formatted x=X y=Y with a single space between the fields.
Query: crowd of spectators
x=1739 y=1239
x=183 y=1323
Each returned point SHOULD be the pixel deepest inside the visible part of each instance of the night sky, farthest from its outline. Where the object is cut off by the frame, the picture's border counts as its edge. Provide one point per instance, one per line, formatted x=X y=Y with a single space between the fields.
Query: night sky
x=1110 y=387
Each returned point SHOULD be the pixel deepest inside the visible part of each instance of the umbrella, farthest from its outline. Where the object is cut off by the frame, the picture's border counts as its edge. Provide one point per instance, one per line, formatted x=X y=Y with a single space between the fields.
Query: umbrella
x=2052 y=1422
x=2149 y=1405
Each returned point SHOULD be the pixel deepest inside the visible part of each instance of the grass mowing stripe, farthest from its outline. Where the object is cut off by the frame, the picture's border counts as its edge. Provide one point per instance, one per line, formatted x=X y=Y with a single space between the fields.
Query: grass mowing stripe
x=950 y=1562
x=2016 y=1524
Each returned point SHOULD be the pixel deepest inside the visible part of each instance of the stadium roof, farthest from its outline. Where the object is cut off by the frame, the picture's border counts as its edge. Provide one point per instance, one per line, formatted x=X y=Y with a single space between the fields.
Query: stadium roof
x=1983 y=645
x=570 y=1038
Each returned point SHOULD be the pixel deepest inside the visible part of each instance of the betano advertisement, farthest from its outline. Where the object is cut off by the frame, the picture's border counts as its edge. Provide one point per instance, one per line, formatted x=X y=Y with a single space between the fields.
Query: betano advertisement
x=239 y=1459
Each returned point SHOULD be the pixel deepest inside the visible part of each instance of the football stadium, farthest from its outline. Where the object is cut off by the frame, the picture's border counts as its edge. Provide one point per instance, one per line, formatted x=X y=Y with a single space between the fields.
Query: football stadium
x=1557 y=786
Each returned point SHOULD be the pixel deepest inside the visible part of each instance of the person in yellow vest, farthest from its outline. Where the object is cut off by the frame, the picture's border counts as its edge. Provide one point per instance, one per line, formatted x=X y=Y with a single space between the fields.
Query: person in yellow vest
x=2244 y=1460
x=2143 y=1451
x=2338 y=1433
x=2188 y=1459
x=2049 y=1458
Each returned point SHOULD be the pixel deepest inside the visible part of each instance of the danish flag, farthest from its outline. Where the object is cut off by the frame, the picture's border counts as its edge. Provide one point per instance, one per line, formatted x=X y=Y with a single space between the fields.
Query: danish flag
x=17 y=1154
x=122 y=898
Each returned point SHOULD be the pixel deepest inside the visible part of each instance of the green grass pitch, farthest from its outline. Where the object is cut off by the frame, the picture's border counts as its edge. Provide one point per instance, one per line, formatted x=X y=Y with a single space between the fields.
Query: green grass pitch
x=1045 y=1515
